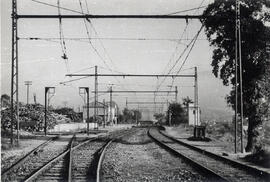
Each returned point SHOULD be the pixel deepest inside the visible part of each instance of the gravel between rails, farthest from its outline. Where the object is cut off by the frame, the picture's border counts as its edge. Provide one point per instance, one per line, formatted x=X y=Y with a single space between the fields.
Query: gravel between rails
x=224 y=169
x=9 y=157
x=137 y=158
x=83 y=164
x=38 y=159
x=85 y=158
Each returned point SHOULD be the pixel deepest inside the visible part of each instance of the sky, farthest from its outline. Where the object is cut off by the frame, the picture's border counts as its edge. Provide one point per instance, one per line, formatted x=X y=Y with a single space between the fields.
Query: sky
x=132 y=46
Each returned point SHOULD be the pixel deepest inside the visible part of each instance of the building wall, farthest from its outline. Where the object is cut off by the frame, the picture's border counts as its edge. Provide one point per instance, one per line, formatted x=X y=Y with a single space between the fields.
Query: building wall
x=192 y=115
x=108 y=110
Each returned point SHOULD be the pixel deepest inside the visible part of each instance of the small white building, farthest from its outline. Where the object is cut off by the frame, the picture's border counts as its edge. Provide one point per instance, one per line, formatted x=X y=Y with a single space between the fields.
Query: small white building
x=193 y=115
x=109 y=112
x=112 y=112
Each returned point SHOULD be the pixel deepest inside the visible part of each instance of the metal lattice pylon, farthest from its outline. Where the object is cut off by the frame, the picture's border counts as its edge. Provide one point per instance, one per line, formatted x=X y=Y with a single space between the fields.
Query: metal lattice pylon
x=14 y=73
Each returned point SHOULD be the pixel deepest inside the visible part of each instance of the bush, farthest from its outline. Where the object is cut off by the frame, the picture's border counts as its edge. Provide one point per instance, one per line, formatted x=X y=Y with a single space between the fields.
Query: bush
x=31 y=118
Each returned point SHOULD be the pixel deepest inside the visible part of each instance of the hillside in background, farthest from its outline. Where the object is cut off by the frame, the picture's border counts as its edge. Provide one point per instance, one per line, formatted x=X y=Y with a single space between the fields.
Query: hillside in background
x=219 y=115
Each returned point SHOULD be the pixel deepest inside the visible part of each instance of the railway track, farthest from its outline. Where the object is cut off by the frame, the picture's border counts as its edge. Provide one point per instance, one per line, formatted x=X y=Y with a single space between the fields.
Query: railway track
x=87 y=159
x=217 y=168
x=34 y=160
x=21 y=160
x=80 y=162
x=76 y=160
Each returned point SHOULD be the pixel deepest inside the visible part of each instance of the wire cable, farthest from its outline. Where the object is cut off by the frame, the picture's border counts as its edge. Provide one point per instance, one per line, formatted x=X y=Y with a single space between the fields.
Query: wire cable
x=183 y=11
x=187 y=55
x=62 y=39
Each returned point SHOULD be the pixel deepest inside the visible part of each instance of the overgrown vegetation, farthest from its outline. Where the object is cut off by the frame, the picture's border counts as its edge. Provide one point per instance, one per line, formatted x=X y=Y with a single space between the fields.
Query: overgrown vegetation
x=31 y=116
x=220 y=31
x=160 y=117
x=69 y=113
x=130 y=116
x=176 y=114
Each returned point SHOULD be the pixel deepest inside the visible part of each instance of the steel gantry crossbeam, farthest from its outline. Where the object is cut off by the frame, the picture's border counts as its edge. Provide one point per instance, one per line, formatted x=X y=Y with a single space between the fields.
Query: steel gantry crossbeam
x=96 y=75
x=136 y=91
x=146 y=102
x=133 y=75
x=114 y=16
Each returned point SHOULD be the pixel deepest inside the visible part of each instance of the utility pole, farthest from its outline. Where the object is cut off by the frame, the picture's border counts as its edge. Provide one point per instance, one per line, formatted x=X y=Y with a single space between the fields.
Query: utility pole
x=111 y=116
x=45 y=111
x=27 y=83
x=104 y=112
x=236 y=81
x=14 y=74
x=239 y=50
x=35 y=98
x=196 y=105
x=88 y=119
x=96 y=97
x=176 y=93
x=170 y=118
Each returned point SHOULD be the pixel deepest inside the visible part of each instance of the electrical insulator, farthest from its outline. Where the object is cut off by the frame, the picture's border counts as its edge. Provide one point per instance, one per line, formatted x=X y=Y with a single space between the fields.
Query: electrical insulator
x=64 y=56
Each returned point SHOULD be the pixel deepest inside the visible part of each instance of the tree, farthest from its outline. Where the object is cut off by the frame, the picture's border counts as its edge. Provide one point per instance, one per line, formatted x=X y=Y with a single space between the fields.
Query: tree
x=159 y=117
x=220 y=31
x=177 y=114
x=137 y=115
x=187 y=101
x=70 y=113
x=129 y=116
x=5 y=100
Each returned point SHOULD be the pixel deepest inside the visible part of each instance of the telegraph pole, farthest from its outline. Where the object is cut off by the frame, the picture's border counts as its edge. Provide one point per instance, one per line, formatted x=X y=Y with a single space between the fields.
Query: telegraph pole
x=196 y=105
x=45 y=112
x=96 y=96
x=236 y=80
x=176 y=93
x=241 y=80
x=27 y=83
x=35 y=98
x=88 y=120
x=239 y=54
x=104 y=112
x=111 y=116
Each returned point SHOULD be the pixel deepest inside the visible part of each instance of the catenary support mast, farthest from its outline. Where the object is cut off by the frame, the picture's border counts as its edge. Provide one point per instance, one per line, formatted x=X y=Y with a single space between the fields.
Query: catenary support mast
x=14 y=73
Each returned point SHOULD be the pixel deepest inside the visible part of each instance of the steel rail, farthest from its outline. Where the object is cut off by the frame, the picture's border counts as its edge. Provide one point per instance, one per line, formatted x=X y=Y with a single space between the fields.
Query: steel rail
x=252 y=170
x=101 y=158
x=68 y=151
x=21 y=160
x=206 y=171
x=102 y=155
x=70 y=161
x=50 y=163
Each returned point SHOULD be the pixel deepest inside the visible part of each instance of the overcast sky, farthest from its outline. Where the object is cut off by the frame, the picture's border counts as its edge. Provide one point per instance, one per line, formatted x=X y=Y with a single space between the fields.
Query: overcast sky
x=40 y=60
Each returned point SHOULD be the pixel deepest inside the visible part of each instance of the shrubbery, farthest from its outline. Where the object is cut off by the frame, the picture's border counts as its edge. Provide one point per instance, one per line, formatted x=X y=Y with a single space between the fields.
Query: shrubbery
x=31 y=118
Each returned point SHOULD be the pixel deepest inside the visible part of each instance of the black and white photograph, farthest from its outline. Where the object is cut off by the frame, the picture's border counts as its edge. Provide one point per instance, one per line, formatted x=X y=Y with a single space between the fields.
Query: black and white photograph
x=135 y=90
